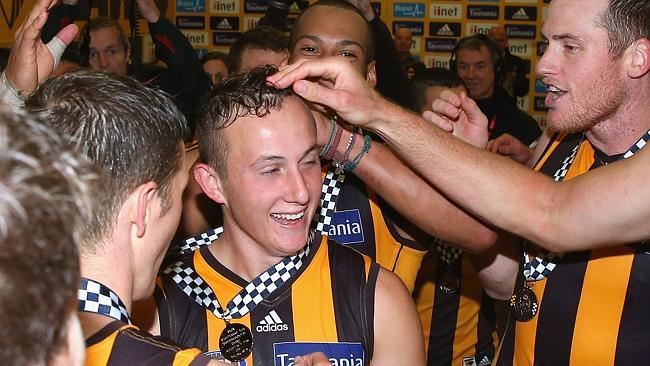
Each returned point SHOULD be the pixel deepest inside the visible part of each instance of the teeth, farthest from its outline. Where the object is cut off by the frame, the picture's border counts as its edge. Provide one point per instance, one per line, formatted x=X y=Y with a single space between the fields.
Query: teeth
x=553 y=89
x=289 y=216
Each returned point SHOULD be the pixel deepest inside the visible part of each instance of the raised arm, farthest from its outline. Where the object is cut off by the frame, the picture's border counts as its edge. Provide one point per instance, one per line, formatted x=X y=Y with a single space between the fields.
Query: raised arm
x=575 y=215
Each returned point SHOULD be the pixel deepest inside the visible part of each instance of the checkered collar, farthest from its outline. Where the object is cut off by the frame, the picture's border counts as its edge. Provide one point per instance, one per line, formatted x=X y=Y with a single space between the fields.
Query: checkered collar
x=96 y=298
x=539 y=267
x=250 y=296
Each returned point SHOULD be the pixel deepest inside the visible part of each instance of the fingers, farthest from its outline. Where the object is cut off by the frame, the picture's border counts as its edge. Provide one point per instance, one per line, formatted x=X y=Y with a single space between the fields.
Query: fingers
x=444 y=108
x=317 y=93
x=67 y=34
x=471 y=109
x=441 y=122
x=328 y=69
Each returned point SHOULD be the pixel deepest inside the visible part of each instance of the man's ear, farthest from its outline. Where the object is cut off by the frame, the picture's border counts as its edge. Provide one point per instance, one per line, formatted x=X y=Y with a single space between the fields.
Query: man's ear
x=372 y=74
x=637 y=58
x=211 y=183
x=144 y=195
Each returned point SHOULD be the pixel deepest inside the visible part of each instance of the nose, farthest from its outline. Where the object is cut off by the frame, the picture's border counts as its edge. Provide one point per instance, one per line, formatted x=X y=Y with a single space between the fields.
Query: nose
x=296 y=188
x=103 y=61
x=545 y=65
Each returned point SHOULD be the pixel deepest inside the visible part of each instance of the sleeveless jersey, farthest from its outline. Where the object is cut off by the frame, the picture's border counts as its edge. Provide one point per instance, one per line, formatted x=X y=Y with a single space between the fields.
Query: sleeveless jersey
x=593 y=307
x=120 y=344
x=328 y=306
x=459 y=327
x=364 y=222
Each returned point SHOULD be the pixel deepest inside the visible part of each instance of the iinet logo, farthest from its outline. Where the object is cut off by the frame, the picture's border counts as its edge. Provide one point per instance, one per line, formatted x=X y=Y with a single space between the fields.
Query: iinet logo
x=271 y=323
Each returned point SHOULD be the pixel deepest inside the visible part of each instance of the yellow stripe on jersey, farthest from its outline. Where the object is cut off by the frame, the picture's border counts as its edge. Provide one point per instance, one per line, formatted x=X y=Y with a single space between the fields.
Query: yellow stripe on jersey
x=99 y=353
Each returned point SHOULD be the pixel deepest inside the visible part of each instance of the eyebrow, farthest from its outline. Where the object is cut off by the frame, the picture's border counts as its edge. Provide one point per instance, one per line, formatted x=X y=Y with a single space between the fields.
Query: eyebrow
x=345 y=42
x=273 y=158
x=564 y=36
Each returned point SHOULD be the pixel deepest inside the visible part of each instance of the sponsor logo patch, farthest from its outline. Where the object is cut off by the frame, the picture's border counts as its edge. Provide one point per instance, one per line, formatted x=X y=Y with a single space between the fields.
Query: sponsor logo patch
x=224 y=23
x=444 y=29
x=190 y=22
x=224 y=6
x=521 y=13
x=190 y=6
x=482 y=12
x=521 y=31
x=271 y=323
x=408 y=10
x=445 y=11
x=417 y=28
x=440 y=45
x=346 y=227
x=349 y=354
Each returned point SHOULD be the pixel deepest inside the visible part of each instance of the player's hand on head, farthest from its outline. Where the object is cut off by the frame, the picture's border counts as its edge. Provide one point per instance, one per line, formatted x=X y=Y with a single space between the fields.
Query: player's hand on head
x=334 y=83
x=312 y=359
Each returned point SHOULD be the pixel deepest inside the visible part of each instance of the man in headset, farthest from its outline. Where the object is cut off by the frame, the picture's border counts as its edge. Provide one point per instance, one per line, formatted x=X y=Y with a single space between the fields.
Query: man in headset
x=476 y=60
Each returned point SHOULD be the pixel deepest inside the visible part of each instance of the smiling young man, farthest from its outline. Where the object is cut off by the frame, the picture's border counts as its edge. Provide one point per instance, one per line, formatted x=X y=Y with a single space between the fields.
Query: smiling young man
x=587 y=305
x=269 y=289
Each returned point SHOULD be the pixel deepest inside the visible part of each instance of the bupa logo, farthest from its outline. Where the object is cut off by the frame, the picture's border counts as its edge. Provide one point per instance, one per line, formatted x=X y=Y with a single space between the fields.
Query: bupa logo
x=346 y=227
x=339 y=354
x=408 y=10
x=271 y=323
x=219 y=357
x=521 y=13
x=190 y=6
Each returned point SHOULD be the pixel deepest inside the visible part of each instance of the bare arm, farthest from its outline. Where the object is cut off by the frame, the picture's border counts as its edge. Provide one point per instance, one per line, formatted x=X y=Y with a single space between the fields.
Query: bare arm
x=558 y=216
x=497 y=267
x=398 y=331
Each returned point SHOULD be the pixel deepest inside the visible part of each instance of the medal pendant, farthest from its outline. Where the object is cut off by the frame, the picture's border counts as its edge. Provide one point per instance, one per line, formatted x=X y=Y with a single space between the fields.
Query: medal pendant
x=236 y=342
x=449 y=283
x=524 y=304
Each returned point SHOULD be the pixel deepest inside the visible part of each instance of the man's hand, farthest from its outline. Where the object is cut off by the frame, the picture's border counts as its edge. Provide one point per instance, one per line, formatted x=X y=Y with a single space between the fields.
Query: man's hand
x=336 y=85
x=509 y=145
x=30 y=61
x=460 y=115
x=149 y=10
x=312 y=359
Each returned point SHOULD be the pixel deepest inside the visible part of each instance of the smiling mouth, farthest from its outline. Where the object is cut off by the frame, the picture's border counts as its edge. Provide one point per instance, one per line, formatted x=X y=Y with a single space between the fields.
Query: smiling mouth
x=287 y=218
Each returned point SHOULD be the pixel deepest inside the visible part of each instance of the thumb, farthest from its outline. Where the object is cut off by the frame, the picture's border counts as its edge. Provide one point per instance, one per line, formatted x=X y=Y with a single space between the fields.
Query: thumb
x=316 y=93
x=471 y=109
x=67 y=34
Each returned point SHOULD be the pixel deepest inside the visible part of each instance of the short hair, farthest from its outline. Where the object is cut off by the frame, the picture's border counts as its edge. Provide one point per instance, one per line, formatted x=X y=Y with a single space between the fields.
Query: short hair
x=625 y=21
x=436 y=76
x=96 y=24
x=369 y=46
x=131 y=132
x=262 y=37
x=475 y=42
x=44 y=193
x=215 y=55
x=238 y=96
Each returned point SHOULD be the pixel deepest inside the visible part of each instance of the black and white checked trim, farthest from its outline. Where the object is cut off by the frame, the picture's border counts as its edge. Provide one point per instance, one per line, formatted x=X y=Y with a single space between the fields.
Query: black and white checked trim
x=542 y=265
x=329 y=194
x=447 y=253
x=93 y=297
x=249 y=297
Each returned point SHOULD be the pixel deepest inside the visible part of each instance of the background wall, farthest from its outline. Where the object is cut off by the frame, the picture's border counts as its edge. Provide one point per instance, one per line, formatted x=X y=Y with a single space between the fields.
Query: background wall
x=436 y=25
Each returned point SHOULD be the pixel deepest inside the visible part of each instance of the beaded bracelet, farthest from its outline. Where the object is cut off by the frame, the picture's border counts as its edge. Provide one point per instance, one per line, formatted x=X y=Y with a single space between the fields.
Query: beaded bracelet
x=354 y=163
x=348 y=147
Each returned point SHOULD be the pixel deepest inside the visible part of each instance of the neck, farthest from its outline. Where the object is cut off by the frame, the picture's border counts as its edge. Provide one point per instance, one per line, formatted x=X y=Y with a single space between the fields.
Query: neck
x=242 y=255
x=102 y=267
x=616 y=134
x=404 y=55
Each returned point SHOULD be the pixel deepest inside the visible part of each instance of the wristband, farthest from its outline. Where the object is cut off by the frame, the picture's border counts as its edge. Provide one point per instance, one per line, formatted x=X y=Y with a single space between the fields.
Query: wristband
x=9 y=94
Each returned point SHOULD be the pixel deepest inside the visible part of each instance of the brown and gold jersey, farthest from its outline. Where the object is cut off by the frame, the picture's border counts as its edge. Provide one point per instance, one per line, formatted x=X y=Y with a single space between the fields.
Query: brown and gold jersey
x=593 y=307
x=120 y=344
x=328 y=306
x=459 y=326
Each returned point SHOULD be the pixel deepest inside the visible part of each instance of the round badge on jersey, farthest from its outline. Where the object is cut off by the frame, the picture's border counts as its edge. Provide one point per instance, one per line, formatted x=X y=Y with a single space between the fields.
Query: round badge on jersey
x=236 y=342
x=449 y=283
x=523 y=304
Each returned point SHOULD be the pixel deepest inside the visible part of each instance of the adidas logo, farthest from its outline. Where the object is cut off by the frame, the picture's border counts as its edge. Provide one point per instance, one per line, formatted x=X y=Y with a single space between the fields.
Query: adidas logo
x=445 y=30
x=224 y=24
x=520 y=14
x=485 y=361
x=271 y=323
x=294 y=8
